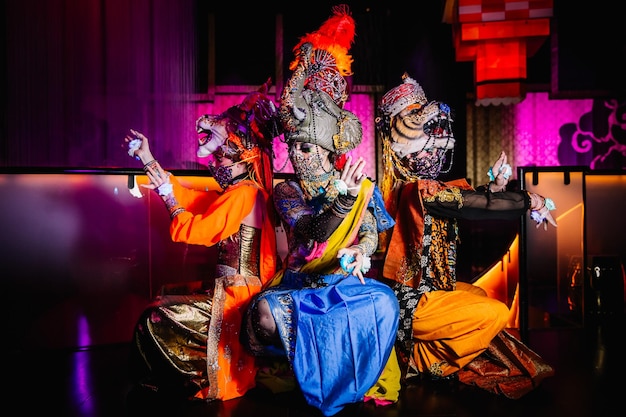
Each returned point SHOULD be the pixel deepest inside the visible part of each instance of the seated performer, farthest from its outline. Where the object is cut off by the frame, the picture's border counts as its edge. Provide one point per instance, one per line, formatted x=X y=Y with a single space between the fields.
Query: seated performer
x=189 y=344
x=446 y=325
x=335 y=326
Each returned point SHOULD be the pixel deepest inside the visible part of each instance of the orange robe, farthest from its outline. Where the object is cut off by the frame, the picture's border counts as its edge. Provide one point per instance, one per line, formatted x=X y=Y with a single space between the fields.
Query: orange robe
x=196 y=336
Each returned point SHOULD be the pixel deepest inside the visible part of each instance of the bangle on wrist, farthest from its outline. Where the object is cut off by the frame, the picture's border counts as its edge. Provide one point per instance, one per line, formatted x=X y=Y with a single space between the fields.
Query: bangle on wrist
x=150 y=164
x=176 y=211
x=539 y=215
x=534 y=201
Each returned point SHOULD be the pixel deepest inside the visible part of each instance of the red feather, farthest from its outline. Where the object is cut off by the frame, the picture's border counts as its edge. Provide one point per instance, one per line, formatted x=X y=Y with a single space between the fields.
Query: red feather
x=336 y=35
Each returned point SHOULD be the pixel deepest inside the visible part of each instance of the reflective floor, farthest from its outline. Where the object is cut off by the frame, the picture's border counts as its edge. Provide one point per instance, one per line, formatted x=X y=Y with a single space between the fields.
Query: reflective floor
x=588 y=381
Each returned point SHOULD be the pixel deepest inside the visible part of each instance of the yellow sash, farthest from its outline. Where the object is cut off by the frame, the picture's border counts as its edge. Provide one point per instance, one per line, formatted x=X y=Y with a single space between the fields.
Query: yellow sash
x=342 y=237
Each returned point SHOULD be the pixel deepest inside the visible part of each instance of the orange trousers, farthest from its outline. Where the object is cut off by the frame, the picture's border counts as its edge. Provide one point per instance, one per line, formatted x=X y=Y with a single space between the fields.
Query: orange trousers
x=450 y=328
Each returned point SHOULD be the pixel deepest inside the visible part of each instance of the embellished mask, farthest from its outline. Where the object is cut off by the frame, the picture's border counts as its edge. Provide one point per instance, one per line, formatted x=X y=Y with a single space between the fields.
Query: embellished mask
x=425 y=164
x=306 y=160
x=423 y=128
x=314 y=167
x=313 y=98
x=212 y=129
x=416 y=133
x=223 y=175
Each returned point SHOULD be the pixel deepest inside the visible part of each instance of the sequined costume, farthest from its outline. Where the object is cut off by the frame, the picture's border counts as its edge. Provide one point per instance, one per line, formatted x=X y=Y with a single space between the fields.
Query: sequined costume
x=336 y=332
x=445 y=325
x=189 y=344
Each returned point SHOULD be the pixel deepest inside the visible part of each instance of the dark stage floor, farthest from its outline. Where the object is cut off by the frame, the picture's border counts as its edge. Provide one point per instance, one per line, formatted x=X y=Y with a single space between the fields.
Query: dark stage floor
x=588 y=381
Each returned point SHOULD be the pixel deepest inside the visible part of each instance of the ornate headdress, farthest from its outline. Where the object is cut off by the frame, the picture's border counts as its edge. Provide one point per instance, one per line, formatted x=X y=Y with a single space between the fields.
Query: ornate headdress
x=409 y=124
x=312 y=101
x=335 y=36
x=409 y=93
x=244 y=132
x=329 y=61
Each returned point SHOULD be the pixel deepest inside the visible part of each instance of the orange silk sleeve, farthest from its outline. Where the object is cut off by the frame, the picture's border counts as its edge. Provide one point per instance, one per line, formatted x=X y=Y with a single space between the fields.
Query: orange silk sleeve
x=192 y=197
x=221 y=218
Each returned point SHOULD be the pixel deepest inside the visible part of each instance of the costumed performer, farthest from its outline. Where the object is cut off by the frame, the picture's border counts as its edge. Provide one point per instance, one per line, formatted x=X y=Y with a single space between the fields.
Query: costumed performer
x=335 y=326
x=445 y=325
x=189 y=344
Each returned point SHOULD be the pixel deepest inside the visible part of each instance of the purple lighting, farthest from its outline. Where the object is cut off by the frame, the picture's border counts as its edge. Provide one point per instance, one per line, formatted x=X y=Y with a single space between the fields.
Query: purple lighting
x=538 y=123
x=83 y=389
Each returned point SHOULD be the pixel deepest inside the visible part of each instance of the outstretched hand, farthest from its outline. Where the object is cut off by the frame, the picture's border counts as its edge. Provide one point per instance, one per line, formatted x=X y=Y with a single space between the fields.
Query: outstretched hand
x=353 y=175
x=540 y=208
x=138 y=146
x=546 y=218
x=500 y=172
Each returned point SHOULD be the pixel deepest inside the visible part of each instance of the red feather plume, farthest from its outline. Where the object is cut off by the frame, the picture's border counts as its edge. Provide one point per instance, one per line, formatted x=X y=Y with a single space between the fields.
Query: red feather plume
x=335 y=35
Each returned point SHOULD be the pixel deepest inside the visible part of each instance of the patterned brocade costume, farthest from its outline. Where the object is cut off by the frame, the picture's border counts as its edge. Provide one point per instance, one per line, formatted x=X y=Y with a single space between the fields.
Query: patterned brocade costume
x=336 y=331
x=191 y=342
x=187 y=342
x=336 y=355
x=423 y=250
x=421 y=258
x=447 y=329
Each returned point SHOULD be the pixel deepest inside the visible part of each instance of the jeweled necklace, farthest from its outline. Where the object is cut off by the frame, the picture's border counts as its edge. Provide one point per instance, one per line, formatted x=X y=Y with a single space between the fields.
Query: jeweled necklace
x=320 y=191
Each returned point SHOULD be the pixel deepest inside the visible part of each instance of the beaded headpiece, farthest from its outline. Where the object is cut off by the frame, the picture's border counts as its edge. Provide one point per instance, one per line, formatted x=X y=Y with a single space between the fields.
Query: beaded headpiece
x=325 y=76
x=406 y=94
x=313 y=98
x=329 y=61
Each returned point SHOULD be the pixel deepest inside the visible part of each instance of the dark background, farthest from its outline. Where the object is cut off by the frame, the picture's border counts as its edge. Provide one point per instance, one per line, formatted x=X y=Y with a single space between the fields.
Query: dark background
x=83 y=71
x=586 y=51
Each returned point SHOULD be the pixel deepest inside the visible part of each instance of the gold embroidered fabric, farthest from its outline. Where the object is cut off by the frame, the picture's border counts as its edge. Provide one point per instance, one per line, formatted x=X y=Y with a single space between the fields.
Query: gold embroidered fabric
x=240 y=252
